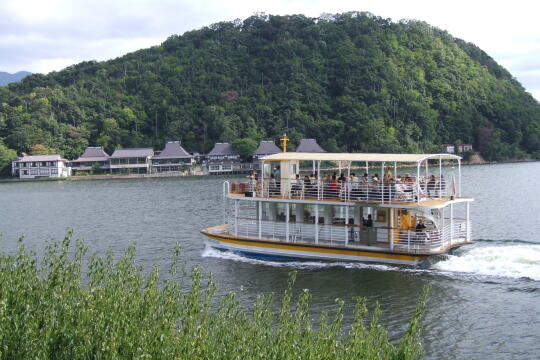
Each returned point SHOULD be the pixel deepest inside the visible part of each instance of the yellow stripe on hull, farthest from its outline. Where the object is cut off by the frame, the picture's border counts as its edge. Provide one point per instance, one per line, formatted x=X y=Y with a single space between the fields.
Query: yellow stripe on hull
x=311 y=251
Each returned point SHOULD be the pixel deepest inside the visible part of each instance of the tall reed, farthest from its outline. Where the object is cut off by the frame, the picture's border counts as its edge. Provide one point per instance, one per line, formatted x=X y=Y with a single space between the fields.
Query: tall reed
x=49 y=310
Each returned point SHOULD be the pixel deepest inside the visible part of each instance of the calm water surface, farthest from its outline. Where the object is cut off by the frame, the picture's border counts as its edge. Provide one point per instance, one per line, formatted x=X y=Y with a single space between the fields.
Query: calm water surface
x=485 y=302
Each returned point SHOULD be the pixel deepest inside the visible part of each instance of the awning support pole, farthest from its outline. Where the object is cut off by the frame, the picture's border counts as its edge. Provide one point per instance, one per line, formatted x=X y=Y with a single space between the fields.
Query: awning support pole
x=440 y=177
x=418 y=182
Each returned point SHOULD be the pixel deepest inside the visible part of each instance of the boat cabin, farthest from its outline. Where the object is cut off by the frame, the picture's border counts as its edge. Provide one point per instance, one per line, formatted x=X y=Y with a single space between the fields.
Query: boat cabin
x=388 y=202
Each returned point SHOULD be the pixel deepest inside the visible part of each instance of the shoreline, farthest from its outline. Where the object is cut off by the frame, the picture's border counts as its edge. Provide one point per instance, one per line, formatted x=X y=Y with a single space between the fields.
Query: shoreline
x=197 y=174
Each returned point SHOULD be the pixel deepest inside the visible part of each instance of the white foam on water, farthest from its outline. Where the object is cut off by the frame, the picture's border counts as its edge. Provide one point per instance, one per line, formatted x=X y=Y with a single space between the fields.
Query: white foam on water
x=511 y=261
x=228 y=255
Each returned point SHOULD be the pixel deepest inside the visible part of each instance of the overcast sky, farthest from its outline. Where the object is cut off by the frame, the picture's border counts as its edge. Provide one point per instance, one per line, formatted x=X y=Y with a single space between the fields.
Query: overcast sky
x=47 y=35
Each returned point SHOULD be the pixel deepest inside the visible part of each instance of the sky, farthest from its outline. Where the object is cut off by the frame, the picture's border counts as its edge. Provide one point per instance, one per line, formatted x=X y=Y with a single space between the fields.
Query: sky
x=49 y=35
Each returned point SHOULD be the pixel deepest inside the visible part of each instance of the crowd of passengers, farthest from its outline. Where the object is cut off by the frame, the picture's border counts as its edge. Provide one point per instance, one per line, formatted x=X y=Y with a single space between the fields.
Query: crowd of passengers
x=400 y=188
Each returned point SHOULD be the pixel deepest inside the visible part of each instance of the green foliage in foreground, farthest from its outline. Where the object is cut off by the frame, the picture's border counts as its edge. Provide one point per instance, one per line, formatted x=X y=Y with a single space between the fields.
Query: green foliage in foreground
x=118 y=313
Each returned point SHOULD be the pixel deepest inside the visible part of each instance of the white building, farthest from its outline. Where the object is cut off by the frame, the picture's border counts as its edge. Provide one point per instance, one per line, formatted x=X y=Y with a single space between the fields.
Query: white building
x=223 y=159
x=173 y=158
x=32 y=166
x=93 y=159
x=136 y=160
x=448 y=148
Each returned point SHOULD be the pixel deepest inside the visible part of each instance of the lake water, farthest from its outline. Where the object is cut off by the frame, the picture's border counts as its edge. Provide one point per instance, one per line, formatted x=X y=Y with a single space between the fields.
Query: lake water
x=485 y=302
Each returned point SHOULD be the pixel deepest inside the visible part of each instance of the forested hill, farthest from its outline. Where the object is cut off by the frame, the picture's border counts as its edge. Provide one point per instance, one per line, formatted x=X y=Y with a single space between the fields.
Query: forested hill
x=354 y=81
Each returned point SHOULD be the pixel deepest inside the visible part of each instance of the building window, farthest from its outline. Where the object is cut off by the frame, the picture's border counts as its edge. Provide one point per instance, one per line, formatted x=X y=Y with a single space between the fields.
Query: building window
x=226 y=167
x=54 y=171
x=33 y=172
x=214 y=167
x=44 y=172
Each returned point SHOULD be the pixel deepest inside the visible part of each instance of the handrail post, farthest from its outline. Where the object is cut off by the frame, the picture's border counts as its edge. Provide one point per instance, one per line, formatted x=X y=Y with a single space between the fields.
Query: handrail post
x=391 y=228
x=287 y=219
x=346 y=225
x=236 y=217
x=260 y=219
x=316 y=223
x=440 y=176
x=382 y=182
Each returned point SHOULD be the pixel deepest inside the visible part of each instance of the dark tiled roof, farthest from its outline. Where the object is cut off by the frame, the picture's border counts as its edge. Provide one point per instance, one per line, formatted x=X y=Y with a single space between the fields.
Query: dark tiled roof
x=309 y=146
x=172 y=150
x=93 y=154
x=132 y=153
x=222 y=149
x=267 y=148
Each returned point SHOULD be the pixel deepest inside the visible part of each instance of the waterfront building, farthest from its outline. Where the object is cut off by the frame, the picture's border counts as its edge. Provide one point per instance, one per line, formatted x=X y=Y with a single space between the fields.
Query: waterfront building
x=32 y=166
x=309 y=146
x=93 y=159
x=173 y=158
x=448 y=148
x=265 y=148
x=461 y=148
x=223 y=159
x=134 y=160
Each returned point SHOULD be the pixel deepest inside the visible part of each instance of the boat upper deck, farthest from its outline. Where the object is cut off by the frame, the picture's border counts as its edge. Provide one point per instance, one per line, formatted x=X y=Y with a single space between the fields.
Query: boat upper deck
x=413 y=193
x=280 y=178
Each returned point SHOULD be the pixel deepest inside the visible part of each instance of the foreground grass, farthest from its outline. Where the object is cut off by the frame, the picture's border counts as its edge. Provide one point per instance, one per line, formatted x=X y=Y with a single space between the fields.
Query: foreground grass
x=50 y=310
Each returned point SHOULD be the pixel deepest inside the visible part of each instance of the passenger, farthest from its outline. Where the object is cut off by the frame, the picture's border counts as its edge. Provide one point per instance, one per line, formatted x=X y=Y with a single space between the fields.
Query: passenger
x=432 y=186
x=421 y=230
x=368 y=222
x=297 y=186
x=307 y=186
x=334 y=187
x=387 y=176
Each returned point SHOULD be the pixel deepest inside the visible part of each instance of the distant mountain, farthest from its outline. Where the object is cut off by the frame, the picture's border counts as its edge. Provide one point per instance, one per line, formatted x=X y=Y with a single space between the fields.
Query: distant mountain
x=6 y=78
x=355 y=81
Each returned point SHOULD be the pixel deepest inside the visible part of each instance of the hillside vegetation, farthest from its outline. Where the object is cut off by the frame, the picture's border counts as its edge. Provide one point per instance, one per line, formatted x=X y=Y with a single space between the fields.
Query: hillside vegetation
x=354 y=81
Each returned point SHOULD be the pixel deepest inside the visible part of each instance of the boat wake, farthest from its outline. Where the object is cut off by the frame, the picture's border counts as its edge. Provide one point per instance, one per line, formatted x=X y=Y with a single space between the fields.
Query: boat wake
x=516 y=260
x=502 y=260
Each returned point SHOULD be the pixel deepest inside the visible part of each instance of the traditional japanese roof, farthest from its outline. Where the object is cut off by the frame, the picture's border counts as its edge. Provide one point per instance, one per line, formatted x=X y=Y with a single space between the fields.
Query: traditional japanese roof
x=30 y=158
x=406 y=158
x=93 y=154
x=309 y=146
x=267 y=148
x=173 y=150
x=132 y=153
x=221 y=149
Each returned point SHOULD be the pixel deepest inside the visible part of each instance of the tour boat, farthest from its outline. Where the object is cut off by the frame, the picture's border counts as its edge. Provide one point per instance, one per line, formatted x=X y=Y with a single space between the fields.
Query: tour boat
x=394 y=217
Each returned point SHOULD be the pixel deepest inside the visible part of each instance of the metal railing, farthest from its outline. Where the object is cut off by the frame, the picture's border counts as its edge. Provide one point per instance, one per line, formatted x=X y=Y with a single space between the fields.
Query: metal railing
x=352 y=235
x=343 y=191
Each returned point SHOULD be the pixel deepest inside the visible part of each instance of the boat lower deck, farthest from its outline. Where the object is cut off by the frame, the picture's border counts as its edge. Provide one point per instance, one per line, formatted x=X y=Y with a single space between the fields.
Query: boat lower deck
x=323 y=250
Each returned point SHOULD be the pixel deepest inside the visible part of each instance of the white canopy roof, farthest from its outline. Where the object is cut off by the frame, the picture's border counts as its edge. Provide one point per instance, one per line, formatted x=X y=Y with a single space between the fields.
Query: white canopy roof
x=373 y=157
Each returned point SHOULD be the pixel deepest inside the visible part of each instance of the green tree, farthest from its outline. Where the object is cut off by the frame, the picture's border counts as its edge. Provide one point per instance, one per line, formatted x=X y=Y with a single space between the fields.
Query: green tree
x=6 y=156
x=245 y=147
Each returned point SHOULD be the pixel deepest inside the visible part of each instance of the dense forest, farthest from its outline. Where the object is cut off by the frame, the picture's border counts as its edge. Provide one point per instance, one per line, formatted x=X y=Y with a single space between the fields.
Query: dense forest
x=354 y=81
